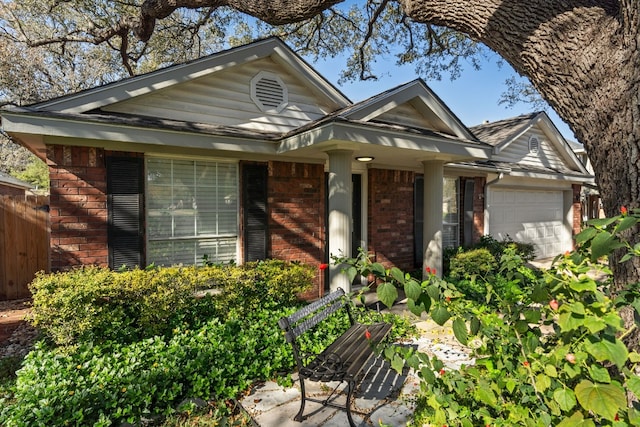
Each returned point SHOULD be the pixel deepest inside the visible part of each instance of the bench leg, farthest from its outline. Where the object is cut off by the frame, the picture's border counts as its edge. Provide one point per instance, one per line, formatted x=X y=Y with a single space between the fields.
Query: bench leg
x=351 y=385
x=298 y=417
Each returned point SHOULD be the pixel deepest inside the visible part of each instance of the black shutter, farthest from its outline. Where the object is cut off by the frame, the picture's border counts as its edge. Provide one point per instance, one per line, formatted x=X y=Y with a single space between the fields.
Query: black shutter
x=125 y=184
x=254 y=191
x=418 y=219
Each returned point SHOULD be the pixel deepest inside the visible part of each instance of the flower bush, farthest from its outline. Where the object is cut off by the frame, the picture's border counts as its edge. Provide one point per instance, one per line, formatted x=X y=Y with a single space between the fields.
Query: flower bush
x=553 y=355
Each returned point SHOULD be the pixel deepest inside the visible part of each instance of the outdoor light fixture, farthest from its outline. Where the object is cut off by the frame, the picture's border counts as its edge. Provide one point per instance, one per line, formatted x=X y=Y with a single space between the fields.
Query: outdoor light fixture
x=364 y=159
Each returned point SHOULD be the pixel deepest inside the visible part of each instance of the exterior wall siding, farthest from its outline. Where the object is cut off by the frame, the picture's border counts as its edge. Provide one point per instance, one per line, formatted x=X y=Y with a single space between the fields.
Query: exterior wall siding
x=78 y=206
x=296 y=205
x=390 y=222
x=407 y=115
x=224 y=99
x=518 y=152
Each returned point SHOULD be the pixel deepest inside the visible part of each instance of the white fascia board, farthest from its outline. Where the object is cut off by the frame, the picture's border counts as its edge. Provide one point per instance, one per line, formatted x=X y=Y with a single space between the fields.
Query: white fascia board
x=552 y=176
x=135 y=86
x=81 y=130
x=361 y=134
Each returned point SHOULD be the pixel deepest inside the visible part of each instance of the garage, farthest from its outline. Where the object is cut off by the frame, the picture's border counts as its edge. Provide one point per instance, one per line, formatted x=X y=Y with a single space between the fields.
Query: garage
x=530 y=216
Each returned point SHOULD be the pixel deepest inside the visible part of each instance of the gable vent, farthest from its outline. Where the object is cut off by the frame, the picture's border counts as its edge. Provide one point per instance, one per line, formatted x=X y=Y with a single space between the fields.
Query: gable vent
x=534 y=145
x=269 y=92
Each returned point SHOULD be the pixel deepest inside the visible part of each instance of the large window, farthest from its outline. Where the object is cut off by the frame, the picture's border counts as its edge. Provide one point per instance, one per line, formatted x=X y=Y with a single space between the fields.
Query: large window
x=192 y=211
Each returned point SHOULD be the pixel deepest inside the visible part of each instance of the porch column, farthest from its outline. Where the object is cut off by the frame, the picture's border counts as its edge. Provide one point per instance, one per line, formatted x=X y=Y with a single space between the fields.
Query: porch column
x=340 y=215
x=432 y=237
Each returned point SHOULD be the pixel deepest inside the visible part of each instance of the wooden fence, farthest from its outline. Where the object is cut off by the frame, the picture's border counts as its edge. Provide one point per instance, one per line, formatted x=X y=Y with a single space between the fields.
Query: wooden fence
x=24 y=243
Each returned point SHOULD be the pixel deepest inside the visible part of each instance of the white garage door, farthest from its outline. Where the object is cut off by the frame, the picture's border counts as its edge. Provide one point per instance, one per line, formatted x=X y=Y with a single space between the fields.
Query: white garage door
x=530 y=216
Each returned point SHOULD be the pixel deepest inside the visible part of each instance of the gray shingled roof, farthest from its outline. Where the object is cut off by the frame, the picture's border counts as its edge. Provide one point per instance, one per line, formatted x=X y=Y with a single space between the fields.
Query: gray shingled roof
x=502 y=130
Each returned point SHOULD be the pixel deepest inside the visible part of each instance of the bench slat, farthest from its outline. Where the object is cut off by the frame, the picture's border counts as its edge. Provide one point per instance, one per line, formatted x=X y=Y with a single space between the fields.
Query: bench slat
x=353 y=351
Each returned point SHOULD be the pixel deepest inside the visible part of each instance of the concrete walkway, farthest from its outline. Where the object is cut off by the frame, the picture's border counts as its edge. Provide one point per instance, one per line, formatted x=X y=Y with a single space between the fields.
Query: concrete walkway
x=384 y=396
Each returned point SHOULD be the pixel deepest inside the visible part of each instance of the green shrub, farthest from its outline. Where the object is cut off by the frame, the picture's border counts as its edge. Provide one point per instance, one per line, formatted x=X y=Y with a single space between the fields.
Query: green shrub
x=476 y=262
x=497 y=247
x=112 y=383
x=262 y=283
x=96 y=304
x=555 y=358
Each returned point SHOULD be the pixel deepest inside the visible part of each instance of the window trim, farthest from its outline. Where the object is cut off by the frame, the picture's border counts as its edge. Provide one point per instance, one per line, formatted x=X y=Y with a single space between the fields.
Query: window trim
x=147 y=200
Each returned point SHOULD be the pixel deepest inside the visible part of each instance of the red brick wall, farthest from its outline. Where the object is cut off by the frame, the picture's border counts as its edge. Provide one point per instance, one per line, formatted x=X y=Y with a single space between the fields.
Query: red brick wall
x=577 y=208
x=78 y=204
x=390 y=222
x=296 y=195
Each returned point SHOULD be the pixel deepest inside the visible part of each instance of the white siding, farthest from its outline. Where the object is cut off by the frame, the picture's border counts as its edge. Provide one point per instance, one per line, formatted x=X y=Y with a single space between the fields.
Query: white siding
x=407 y=115
x=518 y=152
x=224 y=98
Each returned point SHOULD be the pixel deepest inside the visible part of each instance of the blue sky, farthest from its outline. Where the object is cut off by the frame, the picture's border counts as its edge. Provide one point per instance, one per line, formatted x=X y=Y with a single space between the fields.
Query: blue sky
x=473 y=97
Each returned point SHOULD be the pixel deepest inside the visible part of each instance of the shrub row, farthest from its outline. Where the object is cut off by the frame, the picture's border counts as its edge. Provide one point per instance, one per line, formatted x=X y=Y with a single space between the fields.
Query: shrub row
x=113 y=383
x=99 y=305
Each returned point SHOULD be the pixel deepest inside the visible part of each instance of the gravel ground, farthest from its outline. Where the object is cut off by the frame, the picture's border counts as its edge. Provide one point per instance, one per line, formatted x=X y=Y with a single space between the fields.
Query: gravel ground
x=22 y=338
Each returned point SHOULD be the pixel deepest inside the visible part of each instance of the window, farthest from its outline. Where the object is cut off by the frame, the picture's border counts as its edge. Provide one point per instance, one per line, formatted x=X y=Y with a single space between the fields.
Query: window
x=192 y=211
x=450 y=220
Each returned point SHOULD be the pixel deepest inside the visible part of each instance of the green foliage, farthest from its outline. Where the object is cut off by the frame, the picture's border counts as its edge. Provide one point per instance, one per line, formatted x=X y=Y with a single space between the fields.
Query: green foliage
x=482 y=279
x=262 y=283
x=96 y=304
x=497 y=247
x=113 y=383
x=551 y=355
x=213 y=351
x=472 y=263
x=36 y=173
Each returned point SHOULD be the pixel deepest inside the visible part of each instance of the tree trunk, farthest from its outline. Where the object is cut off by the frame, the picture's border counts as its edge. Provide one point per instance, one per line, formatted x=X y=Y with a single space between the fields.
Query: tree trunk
x=583 y=58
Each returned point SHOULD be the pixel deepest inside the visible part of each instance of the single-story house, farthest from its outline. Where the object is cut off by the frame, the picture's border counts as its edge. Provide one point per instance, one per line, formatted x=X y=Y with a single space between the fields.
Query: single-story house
x=251 y=154
x=10 y=186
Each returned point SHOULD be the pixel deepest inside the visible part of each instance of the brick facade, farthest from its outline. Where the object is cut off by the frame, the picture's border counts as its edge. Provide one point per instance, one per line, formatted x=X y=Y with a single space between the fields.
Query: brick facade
x=577 y=209
x=78 y=201
x=296 y=206
x=391 y=213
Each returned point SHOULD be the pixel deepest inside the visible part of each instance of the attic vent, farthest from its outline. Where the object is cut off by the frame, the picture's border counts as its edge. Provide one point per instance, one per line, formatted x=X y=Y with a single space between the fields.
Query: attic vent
x=269 y=92
x=534 y=145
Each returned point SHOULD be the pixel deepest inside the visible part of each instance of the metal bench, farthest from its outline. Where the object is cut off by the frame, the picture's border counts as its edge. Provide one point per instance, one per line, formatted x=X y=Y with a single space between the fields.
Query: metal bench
x=343 y=360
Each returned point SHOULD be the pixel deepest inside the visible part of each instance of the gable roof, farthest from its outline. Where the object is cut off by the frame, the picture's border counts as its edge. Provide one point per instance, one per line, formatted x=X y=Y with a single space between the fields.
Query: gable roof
x=503 y=133
x=421 y=97
x=131 y=87
x=206 y=104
